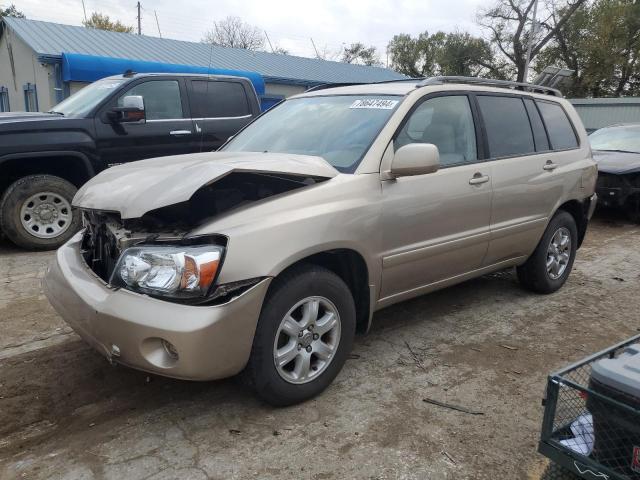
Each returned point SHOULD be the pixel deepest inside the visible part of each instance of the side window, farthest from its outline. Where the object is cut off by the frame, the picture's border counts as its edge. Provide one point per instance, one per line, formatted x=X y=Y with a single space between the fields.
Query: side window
x=539 y=134
x=30 y=97
x=507 y=125
x=561 y=133
x=4 y=99
x=214 y=99
x=162 y=99
x=447 y=122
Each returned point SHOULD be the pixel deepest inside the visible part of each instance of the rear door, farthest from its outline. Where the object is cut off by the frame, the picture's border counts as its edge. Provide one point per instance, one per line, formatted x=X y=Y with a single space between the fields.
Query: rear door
x=167 y=129
x=526 y=173
x=220 y=108
x=436 y=226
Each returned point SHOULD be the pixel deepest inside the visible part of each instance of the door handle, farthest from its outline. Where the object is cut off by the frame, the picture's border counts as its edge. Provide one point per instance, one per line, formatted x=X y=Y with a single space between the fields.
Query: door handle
x=478 y=178
x=180 y=132
x=549 y=166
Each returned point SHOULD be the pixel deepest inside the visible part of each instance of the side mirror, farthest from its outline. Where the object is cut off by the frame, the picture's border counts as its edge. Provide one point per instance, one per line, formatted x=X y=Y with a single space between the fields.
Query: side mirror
x=132 y=110
x=415 y=159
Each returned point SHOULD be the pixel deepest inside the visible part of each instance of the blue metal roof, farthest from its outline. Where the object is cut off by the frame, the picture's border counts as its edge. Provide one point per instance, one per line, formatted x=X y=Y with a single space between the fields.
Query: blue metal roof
x=89 y=68
x=52 y=39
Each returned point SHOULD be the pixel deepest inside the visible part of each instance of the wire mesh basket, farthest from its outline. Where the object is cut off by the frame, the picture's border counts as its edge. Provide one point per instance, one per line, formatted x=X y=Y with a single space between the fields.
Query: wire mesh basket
x=589 y=427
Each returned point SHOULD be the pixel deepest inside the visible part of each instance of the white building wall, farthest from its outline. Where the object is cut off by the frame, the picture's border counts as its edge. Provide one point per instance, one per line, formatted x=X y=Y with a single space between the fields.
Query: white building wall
x=26 y=69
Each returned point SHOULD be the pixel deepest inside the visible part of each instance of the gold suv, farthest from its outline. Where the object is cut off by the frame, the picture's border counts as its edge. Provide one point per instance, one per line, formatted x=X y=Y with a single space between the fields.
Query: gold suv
x=267 y=256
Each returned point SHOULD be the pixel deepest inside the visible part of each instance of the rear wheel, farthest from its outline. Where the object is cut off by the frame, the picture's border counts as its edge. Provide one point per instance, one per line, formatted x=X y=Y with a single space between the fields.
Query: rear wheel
x=304 y=334
x=36 y=213
x=548 y=268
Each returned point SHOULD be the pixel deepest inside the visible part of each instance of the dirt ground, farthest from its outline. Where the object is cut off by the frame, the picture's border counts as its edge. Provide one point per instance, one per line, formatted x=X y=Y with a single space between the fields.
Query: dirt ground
x=66 y=413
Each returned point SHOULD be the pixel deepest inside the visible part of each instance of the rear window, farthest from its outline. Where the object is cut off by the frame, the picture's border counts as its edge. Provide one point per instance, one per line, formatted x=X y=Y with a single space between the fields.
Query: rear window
x=507 y=125
x=561 y=133
x=214 y=99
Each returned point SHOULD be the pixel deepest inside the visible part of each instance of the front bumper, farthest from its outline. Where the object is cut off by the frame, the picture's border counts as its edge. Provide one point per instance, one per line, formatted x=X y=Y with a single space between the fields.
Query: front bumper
x=211 y=341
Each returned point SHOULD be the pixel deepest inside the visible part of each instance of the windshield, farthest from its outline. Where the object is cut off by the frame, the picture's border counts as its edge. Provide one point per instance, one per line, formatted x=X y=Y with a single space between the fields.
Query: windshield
x=625 y=139
x=82 y=102
x=338 y=128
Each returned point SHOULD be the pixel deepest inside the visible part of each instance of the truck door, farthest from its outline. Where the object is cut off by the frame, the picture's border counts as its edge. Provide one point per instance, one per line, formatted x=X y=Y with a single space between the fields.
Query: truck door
x=166 y=130
x=220 y=108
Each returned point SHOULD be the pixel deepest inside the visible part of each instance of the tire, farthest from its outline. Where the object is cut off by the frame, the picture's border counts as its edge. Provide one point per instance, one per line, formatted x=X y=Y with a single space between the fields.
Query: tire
x=632 y=208
x=556 y=472
x=534 y=274
x=277 y=385
x=53 y=221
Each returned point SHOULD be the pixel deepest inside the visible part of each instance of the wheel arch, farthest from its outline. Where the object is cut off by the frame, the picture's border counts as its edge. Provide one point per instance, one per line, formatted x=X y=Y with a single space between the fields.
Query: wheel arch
x=72 y=166
x=351 y=266
x=578 y=210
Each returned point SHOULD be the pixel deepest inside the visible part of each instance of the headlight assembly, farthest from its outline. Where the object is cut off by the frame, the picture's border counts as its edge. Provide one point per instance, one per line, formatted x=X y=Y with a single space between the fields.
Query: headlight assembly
x=179 y=272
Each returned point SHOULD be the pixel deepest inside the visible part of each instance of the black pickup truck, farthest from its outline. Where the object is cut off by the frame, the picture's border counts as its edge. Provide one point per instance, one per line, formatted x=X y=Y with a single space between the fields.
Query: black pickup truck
x=45 y=157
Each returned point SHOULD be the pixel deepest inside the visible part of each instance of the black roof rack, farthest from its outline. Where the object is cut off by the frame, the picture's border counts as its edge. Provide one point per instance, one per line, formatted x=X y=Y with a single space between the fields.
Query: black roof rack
x=529 y=87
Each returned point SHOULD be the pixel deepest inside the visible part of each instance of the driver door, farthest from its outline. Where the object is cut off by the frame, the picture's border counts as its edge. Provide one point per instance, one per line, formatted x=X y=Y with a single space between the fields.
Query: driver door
x=167 y=129
x=436 y=226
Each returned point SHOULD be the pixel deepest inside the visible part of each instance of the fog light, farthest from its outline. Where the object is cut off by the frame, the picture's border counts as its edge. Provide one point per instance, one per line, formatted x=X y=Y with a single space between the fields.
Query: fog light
x=170 y=349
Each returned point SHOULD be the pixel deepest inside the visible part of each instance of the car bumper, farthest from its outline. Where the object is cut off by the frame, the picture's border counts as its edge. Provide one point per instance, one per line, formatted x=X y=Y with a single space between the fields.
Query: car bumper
x=593 y=201
x=211 y=341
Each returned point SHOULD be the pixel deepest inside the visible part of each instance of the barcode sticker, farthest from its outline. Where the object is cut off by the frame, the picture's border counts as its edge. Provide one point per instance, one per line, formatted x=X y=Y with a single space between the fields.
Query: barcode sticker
x=379 y=103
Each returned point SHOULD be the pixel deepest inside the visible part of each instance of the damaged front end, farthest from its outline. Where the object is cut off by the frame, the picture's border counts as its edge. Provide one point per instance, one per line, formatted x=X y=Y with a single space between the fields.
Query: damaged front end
x=620 y=190
x=155 y=253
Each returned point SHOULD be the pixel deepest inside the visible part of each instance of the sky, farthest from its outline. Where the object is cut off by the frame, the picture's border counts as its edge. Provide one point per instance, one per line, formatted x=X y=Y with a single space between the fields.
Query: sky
x=289 y=24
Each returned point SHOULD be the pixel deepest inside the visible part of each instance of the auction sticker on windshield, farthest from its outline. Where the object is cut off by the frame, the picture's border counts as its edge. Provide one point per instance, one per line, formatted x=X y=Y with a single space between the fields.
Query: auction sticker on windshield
x=379 y=103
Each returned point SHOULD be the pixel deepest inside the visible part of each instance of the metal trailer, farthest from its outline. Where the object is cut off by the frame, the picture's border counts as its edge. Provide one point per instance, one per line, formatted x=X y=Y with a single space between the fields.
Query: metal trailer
x=608 y=446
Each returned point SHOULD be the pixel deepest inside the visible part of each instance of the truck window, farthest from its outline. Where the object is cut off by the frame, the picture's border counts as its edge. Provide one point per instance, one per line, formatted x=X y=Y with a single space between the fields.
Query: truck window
x=161 y=99
x=539 y=133
x=215 y=99
x=507 y=125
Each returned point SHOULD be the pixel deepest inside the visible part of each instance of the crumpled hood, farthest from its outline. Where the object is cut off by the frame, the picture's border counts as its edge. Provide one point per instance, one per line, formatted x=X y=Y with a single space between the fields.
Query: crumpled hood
x=617 y=162
x=135 y=188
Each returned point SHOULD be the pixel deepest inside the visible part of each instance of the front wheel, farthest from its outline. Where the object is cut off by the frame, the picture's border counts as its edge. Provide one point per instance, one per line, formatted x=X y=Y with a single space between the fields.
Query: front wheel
x=304 y=334
x=548 y=268
x=36 y=213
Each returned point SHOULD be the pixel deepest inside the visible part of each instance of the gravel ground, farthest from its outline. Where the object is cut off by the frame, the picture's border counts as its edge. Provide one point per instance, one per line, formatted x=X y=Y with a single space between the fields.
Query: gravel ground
x=66 y=413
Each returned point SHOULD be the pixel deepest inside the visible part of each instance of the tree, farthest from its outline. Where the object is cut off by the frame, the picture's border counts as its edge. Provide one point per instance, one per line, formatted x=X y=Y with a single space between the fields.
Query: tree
x=233 y=32
x=100 y=21
x=601 y=43
x=360 y=54
x=443 y=54
x=509 y=24
x=11 y=11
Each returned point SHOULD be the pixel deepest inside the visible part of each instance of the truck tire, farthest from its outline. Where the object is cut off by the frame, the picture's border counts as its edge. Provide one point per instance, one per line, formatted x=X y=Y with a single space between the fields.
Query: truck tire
x=304 y=334
x=36 y=213
x=548 y=268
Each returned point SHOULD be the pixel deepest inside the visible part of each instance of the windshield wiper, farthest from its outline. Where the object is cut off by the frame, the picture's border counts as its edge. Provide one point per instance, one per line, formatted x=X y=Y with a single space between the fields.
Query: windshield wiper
x=56 y=113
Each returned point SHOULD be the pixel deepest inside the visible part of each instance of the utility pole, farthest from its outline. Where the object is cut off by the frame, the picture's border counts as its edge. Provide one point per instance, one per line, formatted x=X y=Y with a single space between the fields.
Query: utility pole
x=84 y=10
x=314 y=47
x=157 y=23
x=532 y=35
x=269 y=42
x=139 y=19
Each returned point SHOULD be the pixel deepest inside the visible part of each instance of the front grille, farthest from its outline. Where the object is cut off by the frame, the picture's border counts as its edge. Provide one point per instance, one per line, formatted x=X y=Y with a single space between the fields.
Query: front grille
x=99 y=247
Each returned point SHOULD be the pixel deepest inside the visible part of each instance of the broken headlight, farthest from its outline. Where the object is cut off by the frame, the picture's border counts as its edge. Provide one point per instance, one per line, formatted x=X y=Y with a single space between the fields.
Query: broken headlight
x=178 y=272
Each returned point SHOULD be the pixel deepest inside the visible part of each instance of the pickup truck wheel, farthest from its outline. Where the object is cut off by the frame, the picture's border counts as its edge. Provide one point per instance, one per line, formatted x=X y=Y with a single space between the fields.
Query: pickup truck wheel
x=304 y=334
x=36 y=213
x=548 y=268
